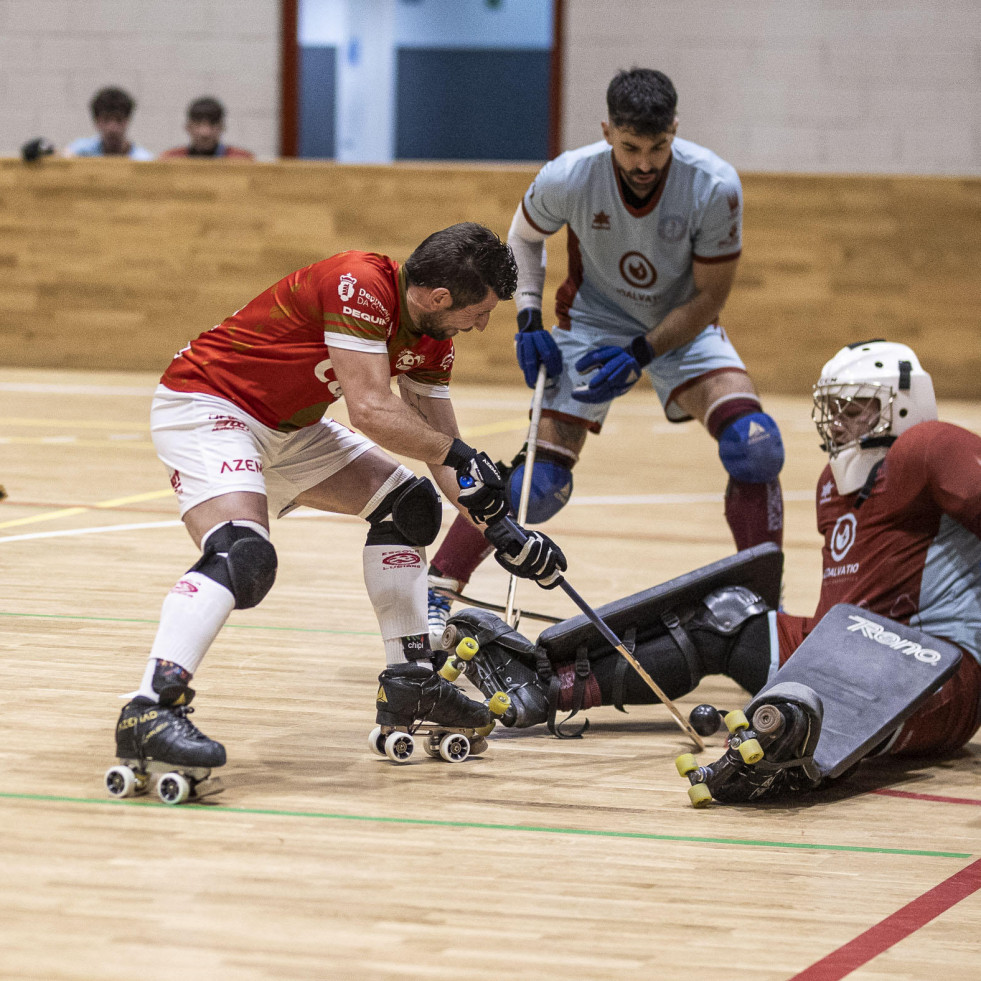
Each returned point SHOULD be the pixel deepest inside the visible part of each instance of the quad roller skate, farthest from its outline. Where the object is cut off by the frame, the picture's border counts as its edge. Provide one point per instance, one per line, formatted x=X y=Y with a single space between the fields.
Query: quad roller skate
x=770 y=747
x=158 y=739
x=414 y=701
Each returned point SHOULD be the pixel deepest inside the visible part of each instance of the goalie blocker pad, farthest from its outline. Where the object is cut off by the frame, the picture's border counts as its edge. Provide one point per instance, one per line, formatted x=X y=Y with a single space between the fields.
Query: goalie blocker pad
x=638 y=618
x=871 y=674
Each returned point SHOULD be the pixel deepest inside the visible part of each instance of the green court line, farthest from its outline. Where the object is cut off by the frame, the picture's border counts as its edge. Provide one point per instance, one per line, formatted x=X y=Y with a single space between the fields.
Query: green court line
x=228 y=626
x=530 y=828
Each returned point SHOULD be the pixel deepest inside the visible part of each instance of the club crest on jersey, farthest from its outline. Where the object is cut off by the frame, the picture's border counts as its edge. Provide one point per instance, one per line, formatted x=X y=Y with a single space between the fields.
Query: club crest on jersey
x=345 y=288
x=402 y=560
x=843 y=536
x=601 y=221
x=448 y=360
x=407 y=360
x=637 y=270
x=672 y=228
x=826 y=490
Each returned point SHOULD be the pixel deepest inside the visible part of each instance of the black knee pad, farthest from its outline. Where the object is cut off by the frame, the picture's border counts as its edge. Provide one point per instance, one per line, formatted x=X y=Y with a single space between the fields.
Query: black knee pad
x=241 y=560
x=408 y=515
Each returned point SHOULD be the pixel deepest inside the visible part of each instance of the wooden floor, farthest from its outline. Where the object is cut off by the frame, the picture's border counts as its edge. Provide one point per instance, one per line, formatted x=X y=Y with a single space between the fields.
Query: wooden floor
x=543 y=859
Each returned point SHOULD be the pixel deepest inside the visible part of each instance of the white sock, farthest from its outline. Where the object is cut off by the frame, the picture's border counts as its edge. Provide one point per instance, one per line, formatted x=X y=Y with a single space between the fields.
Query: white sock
x=395 y=577
x=192 y=614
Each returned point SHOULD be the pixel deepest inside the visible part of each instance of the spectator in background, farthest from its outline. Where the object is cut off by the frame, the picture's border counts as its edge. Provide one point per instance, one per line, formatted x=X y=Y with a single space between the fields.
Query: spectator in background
x=111 y=109
x=205 y=124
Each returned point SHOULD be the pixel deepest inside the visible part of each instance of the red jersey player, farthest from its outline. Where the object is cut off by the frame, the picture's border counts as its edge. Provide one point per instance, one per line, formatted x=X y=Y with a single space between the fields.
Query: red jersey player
x=899 y=506
x=238 y=420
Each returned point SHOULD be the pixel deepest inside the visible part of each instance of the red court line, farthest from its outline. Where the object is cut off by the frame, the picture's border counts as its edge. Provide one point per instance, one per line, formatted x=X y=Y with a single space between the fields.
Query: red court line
x=894 y=928
x=933 y=797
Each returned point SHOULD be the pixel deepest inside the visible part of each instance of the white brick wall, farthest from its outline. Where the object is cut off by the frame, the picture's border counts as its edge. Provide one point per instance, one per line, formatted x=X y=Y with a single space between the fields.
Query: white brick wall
x=55 y=54
x=869 y=86
x=874 y=86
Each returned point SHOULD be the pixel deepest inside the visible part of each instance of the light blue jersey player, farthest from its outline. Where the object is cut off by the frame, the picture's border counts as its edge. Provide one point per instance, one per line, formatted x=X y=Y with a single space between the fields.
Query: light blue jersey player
x=654 y=228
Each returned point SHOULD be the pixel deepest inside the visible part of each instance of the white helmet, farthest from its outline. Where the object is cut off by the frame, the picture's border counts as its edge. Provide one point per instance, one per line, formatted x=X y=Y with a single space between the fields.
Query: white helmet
x=888 y=372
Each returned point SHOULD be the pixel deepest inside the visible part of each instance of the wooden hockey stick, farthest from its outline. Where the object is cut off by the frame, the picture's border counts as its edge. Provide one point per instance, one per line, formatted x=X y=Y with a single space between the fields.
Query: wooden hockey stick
x=511 y=615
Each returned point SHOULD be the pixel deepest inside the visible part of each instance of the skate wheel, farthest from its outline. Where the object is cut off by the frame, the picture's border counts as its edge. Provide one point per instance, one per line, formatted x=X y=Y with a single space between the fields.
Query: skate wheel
x=431 y=746
x=450 y=671
x=450 y=634
x=376 y=741
x=736 y=720
x=399 y=746
x=121 y=781
x=685 y=764
x=173 y=788
x=478 y=745
x=768 y=720
x=699 y=795
x=499 y=703
x=751 y=751
x=467 y=648
x=454 y=747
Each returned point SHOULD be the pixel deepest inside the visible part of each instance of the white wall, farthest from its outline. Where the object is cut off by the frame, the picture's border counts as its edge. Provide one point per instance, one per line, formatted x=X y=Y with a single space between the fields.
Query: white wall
x=872 y=86
x=54 y=55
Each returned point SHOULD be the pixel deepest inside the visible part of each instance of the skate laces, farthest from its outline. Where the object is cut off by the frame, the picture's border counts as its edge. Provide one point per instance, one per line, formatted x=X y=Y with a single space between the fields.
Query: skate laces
x=438 y=602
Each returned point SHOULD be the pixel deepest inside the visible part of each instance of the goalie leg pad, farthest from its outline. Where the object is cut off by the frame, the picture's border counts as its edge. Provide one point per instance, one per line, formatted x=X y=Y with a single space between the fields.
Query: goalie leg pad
x=410 y=514
x=751 y=449
x=241 y=558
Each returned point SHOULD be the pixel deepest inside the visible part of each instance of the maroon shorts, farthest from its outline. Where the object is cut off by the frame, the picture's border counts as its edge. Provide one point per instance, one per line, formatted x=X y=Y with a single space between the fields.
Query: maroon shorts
x=944 y=723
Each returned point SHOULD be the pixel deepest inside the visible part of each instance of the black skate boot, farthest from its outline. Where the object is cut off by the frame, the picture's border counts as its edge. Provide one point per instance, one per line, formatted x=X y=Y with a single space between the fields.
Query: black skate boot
x=416 y=701
x=158 y=736
x=504 y=662
x=410 y=693
x=770 y=752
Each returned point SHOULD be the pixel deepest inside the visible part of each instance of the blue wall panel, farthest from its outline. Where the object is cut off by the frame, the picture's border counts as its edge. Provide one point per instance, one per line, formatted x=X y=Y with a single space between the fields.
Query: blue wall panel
x=318 y=90
x=484 y=104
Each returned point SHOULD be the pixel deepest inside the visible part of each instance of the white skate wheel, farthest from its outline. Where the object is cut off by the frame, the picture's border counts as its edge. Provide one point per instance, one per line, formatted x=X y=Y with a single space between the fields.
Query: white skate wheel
x=399 y=746
x=120 y=781
x=375 y=742
x=454 y=747
x=173 y=788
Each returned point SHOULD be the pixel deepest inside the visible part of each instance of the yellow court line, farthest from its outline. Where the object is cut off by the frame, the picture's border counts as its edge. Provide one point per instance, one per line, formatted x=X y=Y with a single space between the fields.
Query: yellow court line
x=74 y=423
x=68 y=512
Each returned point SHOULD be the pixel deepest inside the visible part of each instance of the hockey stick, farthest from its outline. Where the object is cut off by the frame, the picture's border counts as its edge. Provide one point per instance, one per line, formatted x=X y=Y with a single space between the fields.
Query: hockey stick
x=609 y=635
x=494 y=607
x=511 y=615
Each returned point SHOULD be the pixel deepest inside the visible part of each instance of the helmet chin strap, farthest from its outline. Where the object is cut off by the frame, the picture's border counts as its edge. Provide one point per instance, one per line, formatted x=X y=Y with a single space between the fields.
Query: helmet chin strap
x=852 y=466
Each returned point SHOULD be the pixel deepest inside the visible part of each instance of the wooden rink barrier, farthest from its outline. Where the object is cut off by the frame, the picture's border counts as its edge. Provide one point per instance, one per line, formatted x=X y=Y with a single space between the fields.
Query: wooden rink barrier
x=111 y=264
x=542 y=859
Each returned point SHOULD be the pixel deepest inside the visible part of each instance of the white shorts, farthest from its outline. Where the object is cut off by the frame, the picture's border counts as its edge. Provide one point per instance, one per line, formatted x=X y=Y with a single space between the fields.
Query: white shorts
x=212 y=447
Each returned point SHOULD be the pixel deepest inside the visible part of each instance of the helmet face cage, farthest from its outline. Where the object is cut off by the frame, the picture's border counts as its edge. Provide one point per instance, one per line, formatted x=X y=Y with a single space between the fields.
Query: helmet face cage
x=837 y=405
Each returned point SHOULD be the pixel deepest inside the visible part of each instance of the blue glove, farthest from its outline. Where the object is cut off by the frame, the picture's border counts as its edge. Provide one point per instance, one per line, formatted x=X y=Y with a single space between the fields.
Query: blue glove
x=534 y=346
x=619 y=369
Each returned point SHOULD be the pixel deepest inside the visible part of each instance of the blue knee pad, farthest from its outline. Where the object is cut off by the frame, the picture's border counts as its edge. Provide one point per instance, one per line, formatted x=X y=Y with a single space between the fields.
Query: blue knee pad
x=551 y=486
x=751 y=449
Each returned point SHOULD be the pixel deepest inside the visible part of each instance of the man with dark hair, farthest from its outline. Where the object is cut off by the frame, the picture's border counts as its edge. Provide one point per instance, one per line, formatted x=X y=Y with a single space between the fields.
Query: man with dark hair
x=111 y=110
x=654 y=225
x=239 y=422
x=205 y=125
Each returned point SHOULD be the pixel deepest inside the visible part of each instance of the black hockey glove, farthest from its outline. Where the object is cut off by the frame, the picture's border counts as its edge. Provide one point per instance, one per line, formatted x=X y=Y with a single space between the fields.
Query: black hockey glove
x=482 y=490
x=526 y=554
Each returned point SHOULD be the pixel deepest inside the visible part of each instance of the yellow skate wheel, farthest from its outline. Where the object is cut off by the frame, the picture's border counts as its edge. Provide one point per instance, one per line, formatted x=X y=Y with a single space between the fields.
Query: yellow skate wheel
x=499 y=703
x=751 y=751
x=450 y=671
x=736 y=720
x=685 y=764
x=467 y=648
x=699 y=795
x=485 y=731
